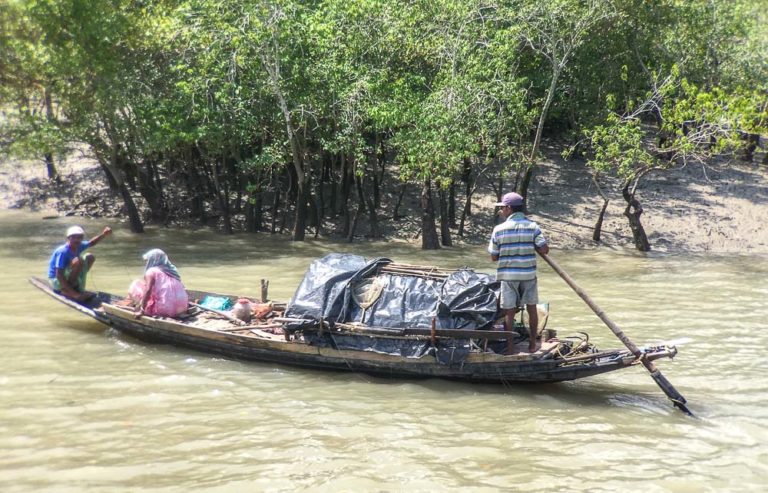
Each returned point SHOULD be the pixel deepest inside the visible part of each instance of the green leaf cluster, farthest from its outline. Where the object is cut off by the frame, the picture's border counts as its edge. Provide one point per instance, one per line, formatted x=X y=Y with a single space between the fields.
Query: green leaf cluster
x=227 y=91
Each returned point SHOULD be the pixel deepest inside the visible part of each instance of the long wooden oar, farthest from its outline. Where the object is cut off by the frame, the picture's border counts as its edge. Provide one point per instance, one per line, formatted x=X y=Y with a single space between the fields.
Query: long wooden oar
x=677 y=399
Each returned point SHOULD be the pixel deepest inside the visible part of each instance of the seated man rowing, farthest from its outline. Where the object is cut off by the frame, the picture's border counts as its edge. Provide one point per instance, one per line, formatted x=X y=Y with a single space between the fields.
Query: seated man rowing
x=69 y=266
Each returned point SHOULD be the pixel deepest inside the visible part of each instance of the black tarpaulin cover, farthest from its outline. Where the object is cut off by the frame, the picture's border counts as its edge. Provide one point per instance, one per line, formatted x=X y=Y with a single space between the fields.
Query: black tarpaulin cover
x=330 y=290
x=465 y=300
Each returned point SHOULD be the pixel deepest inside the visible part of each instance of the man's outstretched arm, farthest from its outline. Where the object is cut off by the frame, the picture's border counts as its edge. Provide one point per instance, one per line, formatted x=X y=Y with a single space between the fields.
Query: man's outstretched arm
x=107 y=231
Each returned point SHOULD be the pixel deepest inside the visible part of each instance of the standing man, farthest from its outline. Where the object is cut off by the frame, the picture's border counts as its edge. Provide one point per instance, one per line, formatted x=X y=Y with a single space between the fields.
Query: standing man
x=514 y=244
x=69 y=266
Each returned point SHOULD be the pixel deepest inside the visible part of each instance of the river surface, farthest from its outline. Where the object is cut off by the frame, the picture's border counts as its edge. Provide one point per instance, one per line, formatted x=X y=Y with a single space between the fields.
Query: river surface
x=84 y=408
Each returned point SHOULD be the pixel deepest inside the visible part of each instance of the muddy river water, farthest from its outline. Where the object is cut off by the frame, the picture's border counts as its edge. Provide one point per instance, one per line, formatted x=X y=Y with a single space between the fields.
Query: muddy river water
x=84 y=408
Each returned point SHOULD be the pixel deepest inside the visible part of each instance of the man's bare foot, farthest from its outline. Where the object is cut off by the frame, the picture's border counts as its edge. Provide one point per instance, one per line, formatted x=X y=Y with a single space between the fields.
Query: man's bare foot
x=71 y=294
x=532 y=348
x=85 y=296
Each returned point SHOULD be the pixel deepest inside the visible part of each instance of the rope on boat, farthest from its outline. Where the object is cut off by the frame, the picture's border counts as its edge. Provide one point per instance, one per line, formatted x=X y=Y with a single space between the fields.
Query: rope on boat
x=581 y=348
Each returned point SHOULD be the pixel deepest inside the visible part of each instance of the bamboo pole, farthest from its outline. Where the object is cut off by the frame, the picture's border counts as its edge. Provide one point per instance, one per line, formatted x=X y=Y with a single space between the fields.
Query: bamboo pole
x=666 y=386
x=264 y=290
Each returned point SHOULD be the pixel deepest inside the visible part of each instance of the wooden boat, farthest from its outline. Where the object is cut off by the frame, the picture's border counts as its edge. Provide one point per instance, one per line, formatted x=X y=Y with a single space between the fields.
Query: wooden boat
x=277 y=339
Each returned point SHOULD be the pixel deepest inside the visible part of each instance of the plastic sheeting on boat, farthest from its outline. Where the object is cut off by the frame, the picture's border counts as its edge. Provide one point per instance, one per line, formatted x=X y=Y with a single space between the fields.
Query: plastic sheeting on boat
x=346 y=288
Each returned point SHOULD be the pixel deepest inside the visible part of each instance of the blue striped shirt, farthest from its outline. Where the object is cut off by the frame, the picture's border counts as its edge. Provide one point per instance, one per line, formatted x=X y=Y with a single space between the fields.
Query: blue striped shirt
x=513 y=241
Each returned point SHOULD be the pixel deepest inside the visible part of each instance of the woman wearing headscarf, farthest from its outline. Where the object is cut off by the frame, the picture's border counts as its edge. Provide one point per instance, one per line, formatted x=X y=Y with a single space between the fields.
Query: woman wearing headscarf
x=161 y=293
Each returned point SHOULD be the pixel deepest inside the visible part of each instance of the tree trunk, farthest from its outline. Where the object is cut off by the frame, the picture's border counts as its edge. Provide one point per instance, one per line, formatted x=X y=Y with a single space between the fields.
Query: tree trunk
x=153 y=196
x=360 y=208
x=227 y=214
x=346 y=224
x=500 y=190
x=346 y=187
x=445 y=226
x=284 y=216
x=256 y=200
x=346 y=184
x=250 y=217
x=134 y=218
x=238 y=201
x=319 y=208
x=750 y=145
x=222 y=194
x=429 y=239
x=53 y=173
x=633 y=212
x=373 y=217
x=50 y=165
x=275 y=201
x=373 y=166
x=460 y=232
x=254 y=204
x=334 y=185
x=195 y=191
x=539 y=130
x=351 y=228
x=111 y=181
x=466 y=212
x=452 y=205
x=395 y=213
x=369 y=188
x=382 y=161
x=360 y=194
x=107 y=157
x=469 y=181
x=258 y=211
x=376 y=202
x=526 y=183
x=302 y=200
x=303 y=176
x=312 y=214
x=599 y=224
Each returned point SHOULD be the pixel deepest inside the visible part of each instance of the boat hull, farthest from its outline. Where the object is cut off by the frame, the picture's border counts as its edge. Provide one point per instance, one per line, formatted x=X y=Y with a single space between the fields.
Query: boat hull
x=485 y=370
x=477 y=367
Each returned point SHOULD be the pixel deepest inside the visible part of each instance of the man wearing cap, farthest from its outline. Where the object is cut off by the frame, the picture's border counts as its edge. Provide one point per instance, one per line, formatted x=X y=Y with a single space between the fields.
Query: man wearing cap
x=69 y=266
x=514 y=244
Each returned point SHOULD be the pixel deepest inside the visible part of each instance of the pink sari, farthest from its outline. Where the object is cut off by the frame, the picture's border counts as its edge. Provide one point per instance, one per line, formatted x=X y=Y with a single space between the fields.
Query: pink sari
x=168 y=297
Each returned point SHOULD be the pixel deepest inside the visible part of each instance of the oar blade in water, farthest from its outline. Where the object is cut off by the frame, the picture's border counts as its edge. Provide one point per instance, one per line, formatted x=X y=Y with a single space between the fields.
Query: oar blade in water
x=676 y=397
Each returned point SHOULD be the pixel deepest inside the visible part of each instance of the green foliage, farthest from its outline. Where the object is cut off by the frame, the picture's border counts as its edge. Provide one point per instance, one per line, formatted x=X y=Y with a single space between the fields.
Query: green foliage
x=228 y=90
x=617 y=145
x=697 y=124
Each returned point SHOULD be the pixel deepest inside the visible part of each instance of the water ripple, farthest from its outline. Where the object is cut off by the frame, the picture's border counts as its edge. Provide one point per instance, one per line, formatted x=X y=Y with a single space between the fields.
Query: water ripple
x=87 y=409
